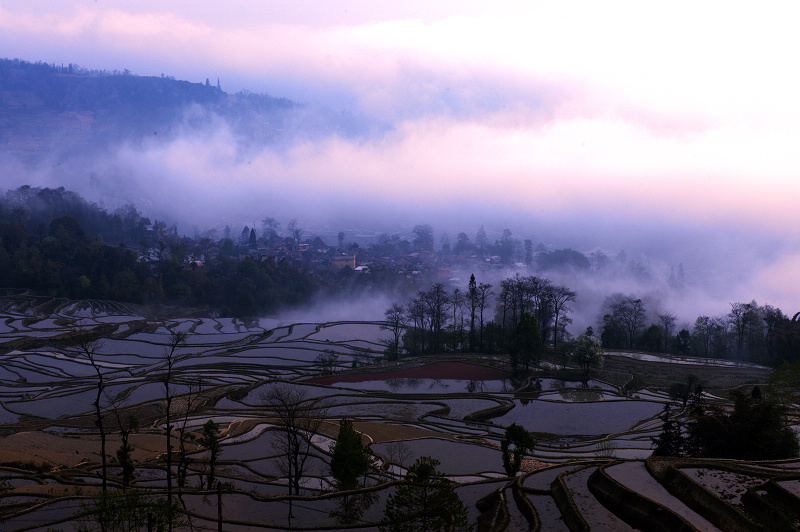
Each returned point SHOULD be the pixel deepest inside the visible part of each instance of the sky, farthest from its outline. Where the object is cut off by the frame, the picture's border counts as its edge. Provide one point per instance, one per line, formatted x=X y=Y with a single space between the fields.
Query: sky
x=665 y=129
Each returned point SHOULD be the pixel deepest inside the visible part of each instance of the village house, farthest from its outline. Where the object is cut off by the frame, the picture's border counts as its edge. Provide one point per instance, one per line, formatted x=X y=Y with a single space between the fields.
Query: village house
x=340 y=261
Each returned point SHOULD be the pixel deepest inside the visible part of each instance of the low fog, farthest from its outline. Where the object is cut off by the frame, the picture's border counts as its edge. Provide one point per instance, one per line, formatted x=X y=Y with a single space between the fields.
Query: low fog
x=569 y=126
x=388 y=181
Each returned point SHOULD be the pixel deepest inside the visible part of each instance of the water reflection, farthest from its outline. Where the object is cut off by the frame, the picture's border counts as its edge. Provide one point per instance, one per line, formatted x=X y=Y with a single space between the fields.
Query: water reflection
x=581 y=394
x=695 y=361
x=350 y=508
x=407 y=384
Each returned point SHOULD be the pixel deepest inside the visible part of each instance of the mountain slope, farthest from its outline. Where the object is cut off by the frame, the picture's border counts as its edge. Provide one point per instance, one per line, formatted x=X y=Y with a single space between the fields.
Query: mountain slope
x=62 y=111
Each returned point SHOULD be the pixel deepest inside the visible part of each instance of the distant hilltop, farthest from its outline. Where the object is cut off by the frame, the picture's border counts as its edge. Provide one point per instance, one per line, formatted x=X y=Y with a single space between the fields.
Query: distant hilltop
x=49 y=110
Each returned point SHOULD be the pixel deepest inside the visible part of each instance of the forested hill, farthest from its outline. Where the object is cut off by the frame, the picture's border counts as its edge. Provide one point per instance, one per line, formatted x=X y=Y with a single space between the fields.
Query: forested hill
x=58 y=110
x=55 y=243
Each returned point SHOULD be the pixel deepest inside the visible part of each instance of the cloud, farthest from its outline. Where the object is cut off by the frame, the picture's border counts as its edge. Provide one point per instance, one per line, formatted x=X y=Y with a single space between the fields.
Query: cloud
x=675 y=66
x=668 y=128
x=610 y=174
x=772 y=282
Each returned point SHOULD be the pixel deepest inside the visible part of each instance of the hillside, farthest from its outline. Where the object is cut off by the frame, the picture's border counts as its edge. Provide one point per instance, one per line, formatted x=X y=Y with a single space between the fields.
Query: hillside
x=65 y=111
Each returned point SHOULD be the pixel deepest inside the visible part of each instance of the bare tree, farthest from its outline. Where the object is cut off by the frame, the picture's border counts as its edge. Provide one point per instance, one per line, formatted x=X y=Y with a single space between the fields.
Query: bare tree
x=505 y=301
x=269 y=229
x=702 y=331
x=630 y=312
x=295 y=232
x=458 y=301
x=741 y=316
x=720 y=337
x=299 y=420
x=128 y=423
x=415 y=311
x=485 y=295
x=437 y=301
x=472 y=297
x=772 y=317
x=398 y=453
x=191 y=400
x=88 y=346
x=177 y=339
x=561 y=298
x=396 y=322
x=667 y=320
x=542 y=299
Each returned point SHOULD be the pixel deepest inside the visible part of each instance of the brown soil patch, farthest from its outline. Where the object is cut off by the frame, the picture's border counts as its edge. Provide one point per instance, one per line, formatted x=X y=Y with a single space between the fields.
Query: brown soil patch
x=55 y=490
x=436 y=370
x=69 y=451
x=372 y=431
x=383 y=432
x=377 y=432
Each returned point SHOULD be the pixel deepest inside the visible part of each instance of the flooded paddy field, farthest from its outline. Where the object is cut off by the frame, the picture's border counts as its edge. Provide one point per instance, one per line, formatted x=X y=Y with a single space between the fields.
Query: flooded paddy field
x=454 y=408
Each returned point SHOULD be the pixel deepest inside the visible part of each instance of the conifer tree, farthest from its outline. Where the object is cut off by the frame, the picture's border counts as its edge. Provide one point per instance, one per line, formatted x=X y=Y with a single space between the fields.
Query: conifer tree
x=425 y=502
x=350 y=458
x=671 y=440
x=516 y=442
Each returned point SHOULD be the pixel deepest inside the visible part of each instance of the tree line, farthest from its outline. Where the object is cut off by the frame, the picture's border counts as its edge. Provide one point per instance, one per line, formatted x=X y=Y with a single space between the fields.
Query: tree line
x=526 y=313
x=756 y=427
x=45 y=246
x=748 y=331
x=480 y=318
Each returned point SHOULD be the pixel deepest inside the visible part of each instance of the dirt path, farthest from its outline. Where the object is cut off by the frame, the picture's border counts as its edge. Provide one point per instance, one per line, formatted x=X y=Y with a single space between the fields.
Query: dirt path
x=436 y=370
x=69 y=451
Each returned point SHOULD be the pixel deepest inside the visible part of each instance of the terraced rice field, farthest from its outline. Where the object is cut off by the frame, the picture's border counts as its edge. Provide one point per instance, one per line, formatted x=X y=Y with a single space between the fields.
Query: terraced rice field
x=589 y=467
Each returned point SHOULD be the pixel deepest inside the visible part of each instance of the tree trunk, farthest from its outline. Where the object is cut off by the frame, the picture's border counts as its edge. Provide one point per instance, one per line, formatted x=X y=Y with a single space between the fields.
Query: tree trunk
x=169 y=459
x=99 y=424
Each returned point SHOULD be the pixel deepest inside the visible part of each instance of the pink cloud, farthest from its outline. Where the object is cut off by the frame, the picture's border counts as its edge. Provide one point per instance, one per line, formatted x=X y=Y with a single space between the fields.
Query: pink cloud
x=649 y=119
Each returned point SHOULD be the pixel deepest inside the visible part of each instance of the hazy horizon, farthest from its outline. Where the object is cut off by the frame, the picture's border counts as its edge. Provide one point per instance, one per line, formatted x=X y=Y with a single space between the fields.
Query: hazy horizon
x=666 y=131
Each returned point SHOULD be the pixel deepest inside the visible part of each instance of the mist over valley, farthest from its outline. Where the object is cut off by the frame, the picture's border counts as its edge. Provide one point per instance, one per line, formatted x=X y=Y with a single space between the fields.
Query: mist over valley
x=398 y=266
x=202 y=159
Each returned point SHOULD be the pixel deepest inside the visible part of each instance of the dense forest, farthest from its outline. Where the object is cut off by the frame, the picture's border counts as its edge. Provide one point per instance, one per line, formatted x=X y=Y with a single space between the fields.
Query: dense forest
x=56 y=243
